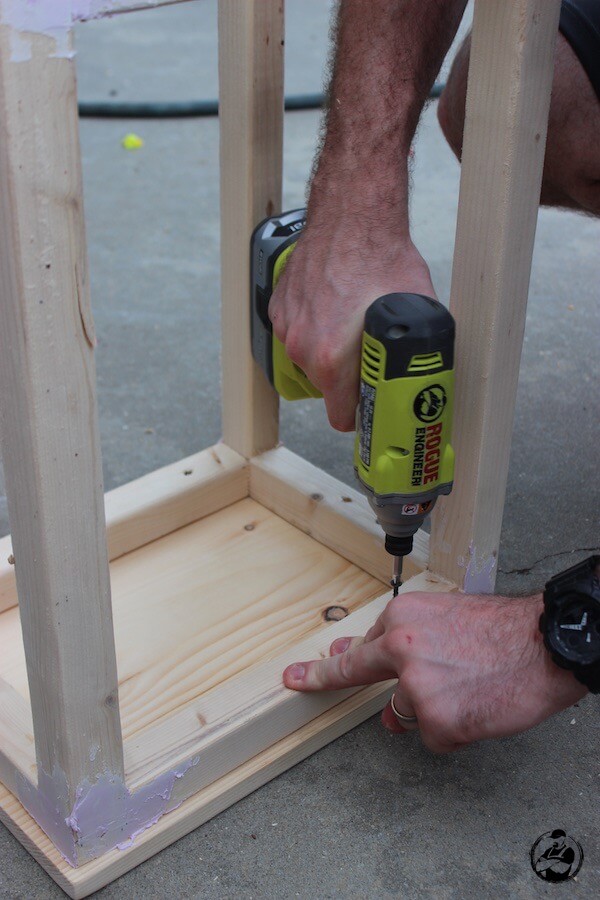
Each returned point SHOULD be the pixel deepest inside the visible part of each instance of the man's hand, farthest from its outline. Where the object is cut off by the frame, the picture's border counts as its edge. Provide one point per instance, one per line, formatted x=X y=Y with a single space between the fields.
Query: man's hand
x=318 y=308
x=468 y=668
x=356 y=245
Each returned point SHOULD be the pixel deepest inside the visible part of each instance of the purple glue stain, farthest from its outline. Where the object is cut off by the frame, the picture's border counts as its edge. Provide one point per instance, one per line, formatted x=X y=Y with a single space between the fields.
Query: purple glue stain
x=105 y=815
x=481 y=573
x=47 y=805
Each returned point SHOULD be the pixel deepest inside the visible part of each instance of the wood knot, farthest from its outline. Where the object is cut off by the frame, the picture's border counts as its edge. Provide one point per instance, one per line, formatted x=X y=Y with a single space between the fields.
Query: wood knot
x=335 y=613
x=316 y=497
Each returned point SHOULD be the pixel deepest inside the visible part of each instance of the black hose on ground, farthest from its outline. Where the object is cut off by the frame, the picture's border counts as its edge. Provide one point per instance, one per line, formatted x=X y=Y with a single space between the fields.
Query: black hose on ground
x=183 y=109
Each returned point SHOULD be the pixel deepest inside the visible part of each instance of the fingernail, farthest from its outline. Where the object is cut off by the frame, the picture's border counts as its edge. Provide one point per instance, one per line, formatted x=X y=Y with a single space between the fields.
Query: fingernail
x=296 y=672
x=339 y=645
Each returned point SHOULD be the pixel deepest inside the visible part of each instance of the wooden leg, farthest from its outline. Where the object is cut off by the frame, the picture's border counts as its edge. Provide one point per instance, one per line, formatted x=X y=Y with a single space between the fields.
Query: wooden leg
x=251 y=121
x=510 y=78
x=51 y=447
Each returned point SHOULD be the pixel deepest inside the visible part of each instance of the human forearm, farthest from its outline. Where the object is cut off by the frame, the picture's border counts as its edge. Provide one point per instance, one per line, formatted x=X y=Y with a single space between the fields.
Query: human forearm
x=356 y=245
x=388 y=53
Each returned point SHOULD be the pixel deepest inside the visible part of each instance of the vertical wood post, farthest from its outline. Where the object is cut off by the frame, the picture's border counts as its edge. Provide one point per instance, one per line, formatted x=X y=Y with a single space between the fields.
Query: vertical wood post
x=508 y=97
x=251 y=123
x=48 y=424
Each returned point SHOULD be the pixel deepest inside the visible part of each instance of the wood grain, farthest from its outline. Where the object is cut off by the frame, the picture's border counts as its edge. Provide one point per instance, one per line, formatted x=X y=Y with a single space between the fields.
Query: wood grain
x=143 y=510
x=241 y=714
x=50 y=442
x=204 y=603
x=83 y=881
x=246 y=711
x=251 y=136
x=331 y=512
x=17 y=749
x=176 y=495
x=510 y=78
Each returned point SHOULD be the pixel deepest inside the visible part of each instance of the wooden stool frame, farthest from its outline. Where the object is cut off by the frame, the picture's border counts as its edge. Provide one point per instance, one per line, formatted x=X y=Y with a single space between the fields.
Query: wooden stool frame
x=113 y=741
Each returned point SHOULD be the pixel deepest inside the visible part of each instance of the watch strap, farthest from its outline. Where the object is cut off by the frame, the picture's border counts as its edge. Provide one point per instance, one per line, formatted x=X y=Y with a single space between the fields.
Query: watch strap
x=589 y=676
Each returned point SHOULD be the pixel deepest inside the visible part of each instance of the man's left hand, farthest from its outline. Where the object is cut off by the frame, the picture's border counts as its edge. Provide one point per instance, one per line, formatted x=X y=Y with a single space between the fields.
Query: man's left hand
x=468 y=667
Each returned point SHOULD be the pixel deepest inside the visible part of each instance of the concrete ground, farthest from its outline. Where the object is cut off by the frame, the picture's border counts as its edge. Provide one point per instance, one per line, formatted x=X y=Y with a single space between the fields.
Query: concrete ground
x=371 y=815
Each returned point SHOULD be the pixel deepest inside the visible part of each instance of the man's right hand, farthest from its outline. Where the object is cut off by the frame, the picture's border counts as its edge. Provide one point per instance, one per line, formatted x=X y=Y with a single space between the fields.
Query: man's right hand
x=356 y=245
x=318 y=308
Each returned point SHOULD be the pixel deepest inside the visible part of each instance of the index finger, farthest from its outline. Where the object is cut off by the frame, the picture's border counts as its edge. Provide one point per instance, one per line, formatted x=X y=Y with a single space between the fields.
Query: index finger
x=365 y=663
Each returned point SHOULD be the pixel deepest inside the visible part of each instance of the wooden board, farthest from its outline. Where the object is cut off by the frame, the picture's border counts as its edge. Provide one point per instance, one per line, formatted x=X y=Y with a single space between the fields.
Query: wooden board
x=50 y=437
x=200 y=663
x=510 y=78
x=83 y=881
x=251 y=140
x=156 y=504
x=285 y=725
x=328 y=510
x=200 y=605
x=17 y=750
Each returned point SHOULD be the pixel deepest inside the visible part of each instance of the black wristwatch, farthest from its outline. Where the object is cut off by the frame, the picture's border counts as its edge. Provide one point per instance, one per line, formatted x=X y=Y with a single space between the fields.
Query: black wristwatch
x=570 y=622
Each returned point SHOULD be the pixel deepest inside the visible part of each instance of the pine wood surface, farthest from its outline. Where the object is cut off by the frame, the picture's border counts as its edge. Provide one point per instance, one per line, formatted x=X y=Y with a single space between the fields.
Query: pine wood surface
x=17 y=750
x=162 y=501
x=510 y=78
x=8 y=586
x=329 y=511
x=49 y=433
x=156 y=504
x=248 y=723
x=251 y=38
x=86 y=879
x=199 y=605
x=247 y=713
x=204 y=611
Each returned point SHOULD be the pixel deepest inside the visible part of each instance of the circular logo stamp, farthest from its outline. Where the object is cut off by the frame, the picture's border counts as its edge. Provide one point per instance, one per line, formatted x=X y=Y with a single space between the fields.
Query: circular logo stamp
x=555 y=856
x=429 y=403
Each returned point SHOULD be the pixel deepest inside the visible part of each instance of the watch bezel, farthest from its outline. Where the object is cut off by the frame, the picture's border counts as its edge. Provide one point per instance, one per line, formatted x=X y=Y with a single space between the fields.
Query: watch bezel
x=561 y=606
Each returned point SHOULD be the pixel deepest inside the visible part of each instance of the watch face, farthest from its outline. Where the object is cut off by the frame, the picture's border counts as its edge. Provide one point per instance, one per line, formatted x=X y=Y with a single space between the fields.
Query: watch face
x=575 y=629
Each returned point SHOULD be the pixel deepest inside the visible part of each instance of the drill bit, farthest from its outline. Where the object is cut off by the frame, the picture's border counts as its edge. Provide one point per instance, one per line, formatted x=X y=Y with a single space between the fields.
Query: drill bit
x=396 y=575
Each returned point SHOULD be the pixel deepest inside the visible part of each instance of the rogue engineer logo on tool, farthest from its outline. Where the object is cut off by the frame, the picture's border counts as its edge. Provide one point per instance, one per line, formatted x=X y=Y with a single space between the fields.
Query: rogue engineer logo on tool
x=428 y=407
x=430 y=403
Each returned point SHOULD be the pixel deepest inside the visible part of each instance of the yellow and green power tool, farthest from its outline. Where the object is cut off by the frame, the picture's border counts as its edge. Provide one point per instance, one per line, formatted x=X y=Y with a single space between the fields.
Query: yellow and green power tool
x=402 y=454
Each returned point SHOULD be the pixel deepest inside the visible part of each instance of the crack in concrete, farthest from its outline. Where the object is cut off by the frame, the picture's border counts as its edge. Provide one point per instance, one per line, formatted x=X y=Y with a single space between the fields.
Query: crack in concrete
x=527 y=569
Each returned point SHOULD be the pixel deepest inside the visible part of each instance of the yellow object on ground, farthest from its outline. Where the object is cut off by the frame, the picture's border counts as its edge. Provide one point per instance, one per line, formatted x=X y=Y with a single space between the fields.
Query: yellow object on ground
x=132 y=141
